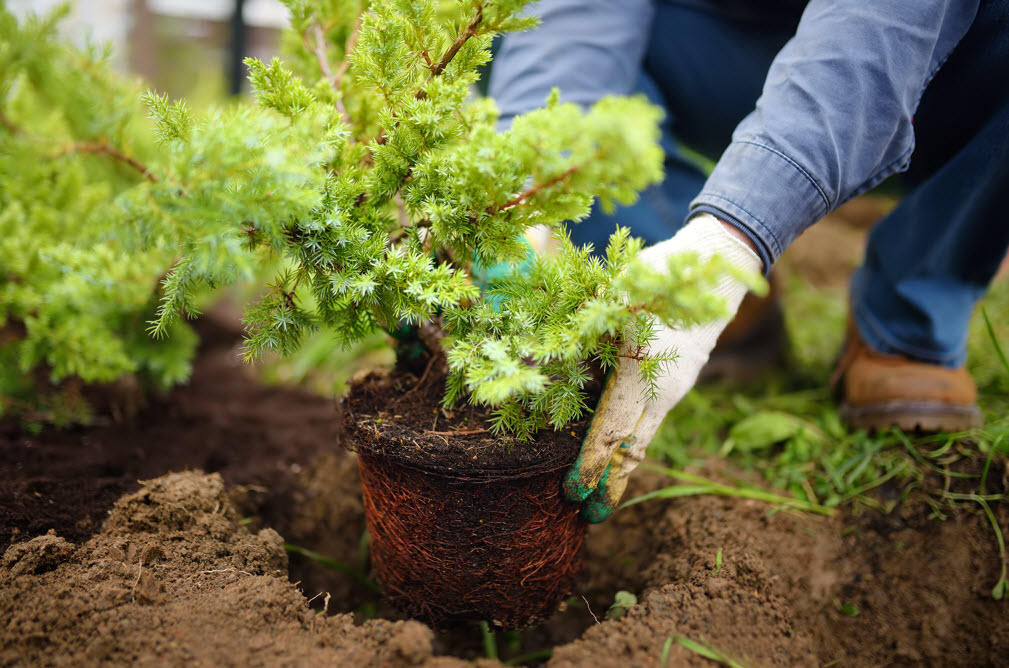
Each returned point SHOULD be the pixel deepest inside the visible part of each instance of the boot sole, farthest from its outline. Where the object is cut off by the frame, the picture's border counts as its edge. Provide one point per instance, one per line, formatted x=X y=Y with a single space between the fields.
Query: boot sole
x=912 y=416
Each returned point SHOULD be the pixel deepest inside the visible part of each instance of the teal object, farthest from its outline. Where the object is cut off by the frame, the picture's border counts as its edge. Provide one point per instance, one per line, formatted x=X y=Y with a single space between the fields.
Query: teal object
x=596 y=507
x=487 y=278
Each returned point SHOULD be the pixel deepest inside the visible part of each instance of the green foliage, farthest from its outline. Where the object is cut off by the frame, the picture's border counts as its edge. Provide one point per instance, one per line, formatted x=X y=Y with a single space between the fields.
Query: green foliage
x=103 y=229
x=381 y=184
x=73 y=300
x=367 y=172
x=787 y=427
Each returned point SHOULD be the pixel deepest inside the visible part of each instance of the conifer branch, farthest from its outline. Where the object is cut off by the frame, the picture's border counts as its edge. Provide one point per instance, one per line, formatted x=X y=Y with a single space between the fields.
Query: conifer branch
x=460 y=41
x=102 y=148
x=348 y=48
x=523 y=196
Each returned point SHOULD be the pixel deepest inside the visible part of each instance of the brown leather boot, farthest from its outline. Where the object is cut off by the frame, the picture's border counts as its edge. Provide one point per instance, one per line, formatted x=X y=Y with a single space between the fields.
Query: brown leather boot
x=881 y=391
x=754 y=341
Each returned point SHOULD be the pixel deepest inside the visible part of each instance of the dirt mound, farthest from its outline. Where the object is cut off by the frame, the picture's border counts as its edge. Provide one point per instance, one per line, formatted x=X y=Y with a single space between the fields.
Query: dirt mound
x=871 y=589
x=719 y=613
x=223 y=421
x=176 y=575
x=190 y=568
x=174 y=578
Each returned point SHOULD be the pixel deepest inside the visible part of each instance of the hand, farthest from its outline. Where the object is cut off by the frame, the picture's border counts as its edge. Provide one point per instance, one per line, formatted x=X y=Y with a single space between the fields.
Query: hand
x=625 y=420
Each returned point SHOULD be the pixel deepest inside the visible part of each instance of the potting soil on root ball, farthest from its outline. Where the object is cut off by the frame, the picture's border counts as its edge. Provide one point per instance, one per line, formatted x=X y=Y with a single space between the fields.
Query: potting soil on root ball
x=464 y=525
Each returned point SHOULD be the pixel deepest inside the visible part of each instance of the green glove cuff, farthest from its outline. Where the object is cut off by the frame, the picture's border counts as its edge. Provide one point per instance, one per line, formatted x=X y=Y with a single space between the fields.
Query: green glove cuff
x=597 y=507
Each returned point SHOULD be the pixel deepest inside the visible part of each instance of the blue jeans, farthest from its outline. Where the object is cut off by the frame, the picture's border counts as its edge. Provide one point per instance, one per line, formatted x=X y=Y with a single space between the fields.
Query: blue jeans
x=932 y=258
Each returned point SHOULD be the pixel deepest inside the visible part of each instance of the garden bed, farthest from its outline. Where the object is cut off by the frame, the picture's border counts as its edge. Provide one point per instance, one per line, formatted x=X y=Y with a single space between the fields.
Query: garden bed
x=190 y=566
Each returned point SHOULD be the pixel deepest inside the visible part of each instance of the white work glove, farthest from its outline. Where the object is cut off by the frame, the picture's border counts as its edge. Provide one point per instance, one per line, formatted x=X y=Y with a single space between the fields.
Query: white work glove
x=625 y=420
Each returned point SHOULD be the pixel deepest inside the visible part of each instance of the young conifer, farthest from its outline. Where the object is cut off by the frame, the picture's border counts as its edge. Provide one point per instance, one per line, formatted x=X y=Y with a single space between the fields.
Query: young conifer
x=419 y=190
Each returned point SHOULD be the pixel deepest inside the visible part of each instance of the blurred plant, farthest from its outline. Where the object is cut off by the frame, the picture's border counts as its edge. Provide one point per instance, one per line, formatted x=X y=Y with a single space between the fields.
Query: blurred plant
x=72 y=299
x=93 y=215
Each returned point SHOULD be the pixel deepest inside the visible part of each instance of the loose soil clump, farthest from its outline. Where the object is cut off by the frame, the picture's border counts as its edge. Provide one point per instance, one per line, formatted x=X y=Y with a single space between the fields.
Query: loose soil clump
x=190 y=567
x=173 y=578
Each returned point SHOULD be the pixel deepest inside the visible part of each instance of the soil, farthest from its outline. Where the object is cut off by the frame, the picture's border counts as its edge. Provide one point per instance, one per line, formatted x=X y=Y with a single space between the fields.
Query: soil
x=398 y=416
x=189 y=567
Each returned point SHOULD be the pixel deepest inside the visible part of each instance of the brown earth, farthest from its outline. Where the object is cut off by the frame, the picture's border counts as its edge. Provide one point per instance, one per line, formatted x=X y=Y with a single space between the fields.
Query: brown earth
x=190 y=568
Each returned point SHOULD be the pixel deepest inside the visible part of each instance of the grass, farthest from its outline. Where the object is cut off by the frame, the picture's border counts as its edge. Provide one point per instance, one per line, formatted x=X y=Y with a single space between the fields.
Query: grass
x=787 y=427
x=718 y=564
x=698 y=485
x=701 y=649
x=352 y=573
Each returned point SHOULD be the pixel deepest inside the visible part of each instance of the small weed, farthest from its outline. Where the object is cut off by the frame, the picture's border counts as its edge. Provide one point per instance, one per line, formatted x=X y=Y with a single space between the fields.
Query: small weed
x=622 y=602
x=848 y=609
x=332 y=564
x=707 y=652
x=489 y=641
x=718 y=564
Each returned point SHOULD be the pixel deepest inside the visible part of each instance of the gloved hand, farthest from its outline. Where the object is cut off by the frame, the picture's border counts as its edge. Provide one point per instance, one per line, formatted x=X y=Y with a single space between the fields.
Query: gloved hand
x=625 y=420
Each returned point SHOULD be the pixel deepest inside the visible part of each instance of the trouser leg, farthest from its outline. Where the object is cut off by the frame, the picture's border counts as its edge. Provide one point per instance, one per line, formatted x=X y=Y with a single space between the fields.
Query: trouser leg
x=932 y=258
x=706 y=72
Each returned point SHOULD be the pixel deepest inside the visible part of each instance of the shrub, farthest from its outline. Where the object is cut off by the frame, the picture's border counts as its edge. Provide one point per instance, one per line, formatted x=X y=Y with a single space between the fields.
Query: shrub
x=73 y=301
x=92 y=216
x=418 y=191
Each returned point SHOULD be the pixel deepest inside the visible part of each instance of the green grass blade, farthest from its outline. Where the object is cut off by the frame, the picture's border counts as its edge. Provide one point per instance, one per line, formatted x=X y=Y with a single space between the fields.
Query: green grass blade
x=987 y=464
x=994 y=341
x=541 y=655
x=668 y=645
x=718 y=563
x=489 y=641
x=707 y=652
x=669 y=493
x=332 y=564
x=1001 y=588
x=701 y=486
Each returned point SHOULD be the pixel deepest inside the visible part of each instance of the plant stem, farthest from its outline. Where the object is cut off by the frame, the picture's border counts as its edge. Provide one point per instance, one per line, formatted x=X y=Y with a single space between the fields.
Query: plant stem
x=489 y=641
x=105 y=149
x=460 y=40
x=987 y=464
x=322 y=559
x=701 y=486
x=994 y=341
x=525 y=195
x=1001 y=588
x=347 y=49
x=318 y=47
x=9 y=125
